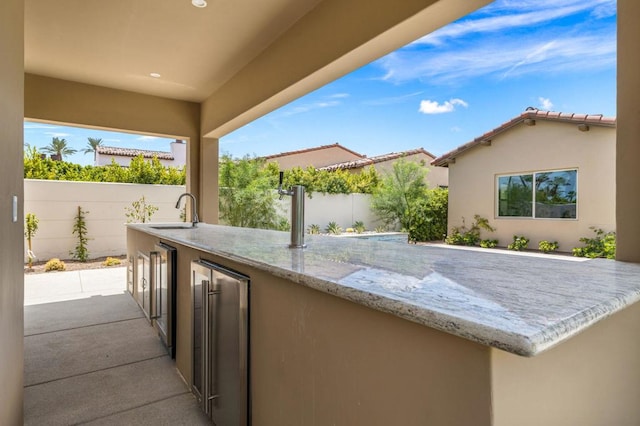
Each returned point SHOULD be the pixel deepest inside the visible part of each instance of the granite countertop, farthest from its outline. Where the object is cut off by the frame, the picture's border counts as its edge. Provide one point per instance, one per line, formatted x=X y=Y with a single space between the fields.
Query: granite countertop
x=520 y=304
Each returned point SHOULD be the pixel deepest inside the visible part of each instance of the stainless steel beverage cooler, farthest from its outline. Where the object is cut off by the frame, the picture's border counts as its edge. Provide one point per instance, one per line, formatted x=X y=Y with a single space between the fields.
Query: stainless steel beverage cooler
x=164 y=294
x=220 y=342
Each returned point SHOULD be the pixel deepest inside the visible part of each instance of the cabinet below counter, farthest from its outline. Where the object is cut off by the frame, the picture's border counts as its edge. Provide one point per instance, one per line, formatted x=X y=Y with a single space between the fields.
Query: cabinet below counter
x=340 y=326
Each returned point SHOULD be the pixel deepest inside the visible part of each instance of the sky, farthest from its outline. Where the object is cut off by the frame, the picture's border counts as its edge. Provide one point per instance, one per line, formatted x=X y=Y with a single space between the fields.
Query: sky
x=440 y=91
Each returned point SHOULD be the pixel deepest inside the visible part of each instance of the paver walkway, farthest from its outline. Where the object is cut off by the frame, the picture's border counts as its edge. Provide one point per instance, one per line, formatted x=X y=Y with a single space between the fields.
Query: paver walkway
x=92 y=358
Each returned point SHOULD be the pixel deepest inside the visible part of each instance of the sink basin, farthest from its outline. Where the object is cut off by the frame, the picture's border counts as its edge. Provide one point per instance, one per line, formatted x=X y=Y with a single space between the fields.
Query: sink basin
x=172 y=226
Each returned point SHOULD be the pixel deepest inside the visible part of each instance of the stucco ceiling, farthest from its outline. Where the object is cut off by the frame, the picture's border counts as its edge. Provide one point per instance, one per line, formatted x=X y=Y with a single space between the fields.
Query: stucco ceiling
x=118 y=43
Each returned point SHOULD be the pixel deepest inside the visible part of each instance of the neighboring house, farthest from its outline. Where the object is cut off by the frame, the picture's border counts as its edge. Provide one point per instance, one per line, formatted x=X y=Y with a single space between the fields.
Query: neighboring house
x=545 y=175
x=436 y=177
x=317 y=157
x=123 y=156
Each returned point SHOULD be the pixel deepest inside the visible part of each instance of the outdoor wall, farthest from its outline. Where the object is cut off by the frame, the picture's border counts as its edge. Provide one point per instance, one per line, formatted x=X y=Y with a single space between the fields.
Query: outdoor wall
x=545 y=146
x=11 y=275
x=344 y=209
x=314 y=157
x=437 y=177
x=55 y=204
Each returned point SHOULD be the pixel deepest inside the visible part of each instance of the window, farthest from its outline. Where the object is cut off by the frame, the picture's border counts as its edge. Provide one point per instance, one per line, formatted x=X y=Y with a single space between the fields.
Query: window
x=541 y=195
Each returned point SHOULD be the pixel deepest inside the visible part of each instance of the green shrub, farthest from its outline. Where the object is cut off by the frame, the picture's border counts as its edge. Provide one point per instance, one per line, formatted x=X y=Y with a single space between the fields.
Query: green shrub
x=519 y=243
x=333 y=228
x=313 y=229
x=81 y=252
x=381 y=228
x=111 y=261
x=463 y=236
x=30 y=229
x=428 y=216
x=359 y=227
x=139 y=171
x=602 y=245
x=548 y=247
x=488 y=243
x=54 y=264
x=140 y=211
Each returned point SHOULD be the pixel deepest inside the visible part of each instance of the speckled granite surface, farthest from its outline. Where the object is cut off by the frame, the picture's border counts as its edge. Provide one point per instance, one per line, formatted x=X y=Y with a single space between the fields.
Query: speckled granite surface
x=521 y=304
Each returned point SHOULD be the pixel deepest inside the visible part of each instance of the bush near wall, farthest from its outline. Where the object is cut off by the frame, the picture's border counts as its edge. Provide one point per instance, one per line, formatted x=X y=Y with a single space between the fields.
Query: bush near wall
x=428 y=216
x=139 y=171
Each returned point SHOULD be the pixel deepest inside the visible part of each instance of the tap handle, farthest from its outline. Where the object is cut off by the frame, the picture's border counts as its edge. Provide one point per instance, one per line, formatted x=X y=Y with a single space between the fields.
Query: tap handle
x=281 y=178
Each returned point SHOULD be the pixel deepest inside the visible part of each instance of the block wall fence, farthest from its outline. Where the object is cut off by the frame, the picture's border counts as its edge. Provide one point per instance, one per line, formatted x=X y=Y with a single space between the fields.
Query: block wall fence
x=55 y=204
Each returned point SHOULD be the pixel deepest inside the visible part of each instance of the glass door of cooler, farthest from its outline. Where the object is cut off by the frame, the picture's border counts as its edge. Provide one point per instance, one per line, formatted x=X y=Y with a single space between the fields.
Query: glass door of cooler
x=220 y=342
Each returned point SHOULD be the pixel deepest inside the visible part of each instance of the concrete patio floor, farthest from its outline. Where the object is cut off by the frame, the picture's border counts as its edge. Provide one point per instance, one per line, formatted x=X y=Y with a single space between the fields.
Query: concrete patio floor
x=91 y=356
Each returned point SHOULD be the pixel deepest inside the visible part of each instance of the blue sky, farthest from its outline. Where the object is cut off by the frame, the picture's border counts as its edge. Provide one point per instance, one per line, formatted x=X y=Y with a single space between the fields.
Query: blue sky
x=440 y=91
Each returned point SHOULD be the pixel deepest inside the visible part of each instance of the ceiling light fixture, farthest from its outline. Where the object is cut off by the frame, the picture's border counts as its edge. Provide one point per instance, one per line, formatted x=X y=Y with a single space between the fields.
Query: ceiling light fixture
x=199 y=3
x=155 y=75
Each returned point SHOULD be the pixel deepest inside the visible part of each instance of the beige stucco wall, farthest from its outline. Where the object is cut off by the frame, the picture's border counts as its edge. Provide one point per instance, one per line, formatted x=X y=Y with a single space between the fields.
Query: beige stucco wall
x=320 y=360
x=591 y=380
x=316 y=158
x=11 y=276
x=436 y=176
x=628 y=128
x=545 y=146
x=55 y=204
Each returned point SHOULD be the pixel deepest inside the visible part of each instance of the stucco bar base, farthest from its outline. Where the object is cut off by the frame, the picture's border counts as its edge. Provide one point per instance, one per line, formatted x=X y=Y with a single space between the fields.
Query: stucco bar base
x=319 y=359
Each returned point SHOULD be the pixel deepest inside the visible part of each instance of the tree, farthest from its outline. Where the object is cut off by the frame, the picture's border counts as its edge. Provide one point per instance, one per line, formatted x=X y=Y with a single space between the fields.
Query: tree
x=59 y=147
x=92 y=146
x=247 y=196
x=398 y=191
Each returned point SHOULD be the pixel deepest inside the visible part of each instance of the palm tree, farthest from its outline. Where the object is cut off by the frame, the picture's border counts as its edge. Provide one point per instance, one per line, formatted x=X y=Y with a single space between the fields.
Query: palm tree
x=92 y=146
x=59 y=148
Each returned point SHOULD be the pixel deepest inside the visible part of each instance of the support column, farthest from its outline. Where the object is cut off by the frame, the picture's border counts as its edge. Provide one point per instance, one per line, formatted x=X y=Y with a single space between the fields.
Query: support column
x=11 y=229
x=628 y=133
x=209 y=179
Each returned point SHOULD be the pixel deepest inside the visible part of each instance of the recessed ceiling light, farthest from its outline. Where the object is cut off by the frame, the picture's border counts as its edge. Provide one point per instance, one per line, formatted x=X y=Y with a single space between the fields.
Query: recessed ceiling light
x=199 y=3
x=155 y=75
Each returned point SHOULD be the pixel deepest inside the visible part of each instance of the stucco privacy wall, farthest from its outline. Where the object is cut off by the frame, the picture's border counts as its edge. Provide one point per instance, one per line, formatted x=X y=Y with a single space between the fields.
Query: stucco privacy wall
x=11 y=276
x=545 y=146
x=55 y=203
x=344 y=209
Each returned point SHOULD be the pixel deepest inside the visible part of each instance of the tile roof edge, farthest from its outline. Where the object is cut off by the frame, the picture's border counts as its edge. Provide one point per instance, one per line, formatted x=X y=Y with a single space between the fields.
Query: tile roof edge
x=316 y=148
x=534 y=114
x=362 y=162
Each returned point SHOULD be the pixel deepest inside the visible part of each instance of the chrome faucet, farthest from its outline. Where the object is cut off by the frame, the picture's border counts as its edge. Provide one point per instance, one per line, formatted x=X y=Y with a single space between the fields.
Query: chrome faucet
x=296 y=192
x=194 y=207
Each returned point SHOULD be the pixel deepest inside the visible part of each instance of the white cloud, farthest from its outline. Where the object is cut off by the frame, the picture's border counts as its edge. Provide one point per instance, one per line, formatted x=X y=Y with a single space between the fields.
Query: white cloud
x=433 y=107
x=309 y=107
x=510 y=38
x=456 y=129
x=57 y=134
x=146 y=138
x=504 y=57
x=339 y=96
x=545 y=103
x=391 y=100
x=508 y=15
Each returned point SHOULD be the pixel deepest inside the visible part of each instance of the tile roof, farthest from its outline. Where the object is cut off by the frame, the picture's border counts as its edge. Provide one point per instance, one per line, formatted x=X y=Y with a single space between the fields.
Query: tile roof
x=128 y=152
x=367 y=161
x=529 y=114
x=317 y=148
